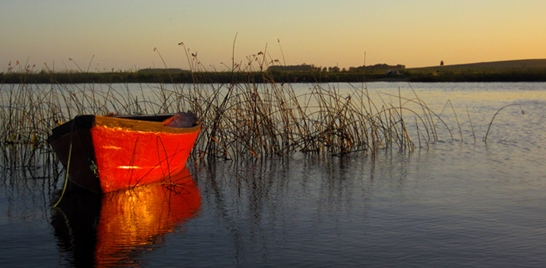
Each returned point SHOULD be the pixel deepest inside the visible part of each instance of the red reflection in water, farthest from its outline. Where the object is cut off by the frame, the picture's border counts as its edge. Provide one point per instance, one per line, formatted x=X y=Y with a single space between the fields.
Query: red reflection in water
x=136 y=218
x=126 y=223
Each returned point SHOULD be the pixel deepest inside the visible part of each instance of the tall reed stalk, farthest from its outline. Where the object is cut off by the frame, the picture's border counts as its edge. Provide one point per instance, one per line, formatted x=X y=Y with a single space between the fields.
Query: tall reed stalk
x=240 y=120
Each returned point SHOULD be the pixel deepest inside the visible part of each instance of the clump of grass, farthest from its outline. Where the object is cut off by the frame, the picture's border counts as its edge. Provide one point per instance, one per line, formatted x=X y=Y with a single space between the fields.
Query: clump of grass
x=241 y=120
x=254 y=119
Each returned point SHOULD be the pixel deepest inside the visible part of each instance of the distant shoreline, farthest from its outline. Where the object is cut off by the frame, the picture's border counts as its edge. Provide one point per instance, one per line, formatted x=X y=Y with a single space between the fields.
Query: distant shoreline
x=533 y=70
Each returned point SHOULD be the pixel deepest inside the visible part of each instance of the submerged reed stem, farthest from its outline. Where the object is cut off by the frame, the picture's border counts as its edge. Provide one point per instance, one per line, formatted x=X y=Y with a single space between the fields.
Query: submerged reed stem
x=495 y=115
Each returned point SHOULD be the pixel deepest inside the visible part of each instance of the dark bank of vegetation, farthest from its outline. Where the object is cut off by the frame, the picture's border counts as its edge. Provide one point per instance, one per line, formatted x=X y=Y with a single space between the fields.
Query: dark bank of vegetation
x=505 y=71
x=182 y=76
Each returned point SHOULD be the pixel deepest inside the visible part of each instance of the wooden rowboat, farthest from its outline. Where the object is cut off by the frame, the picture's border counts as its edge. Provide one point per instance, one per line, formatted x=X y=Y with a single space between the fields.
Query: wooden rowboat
x=109 y=153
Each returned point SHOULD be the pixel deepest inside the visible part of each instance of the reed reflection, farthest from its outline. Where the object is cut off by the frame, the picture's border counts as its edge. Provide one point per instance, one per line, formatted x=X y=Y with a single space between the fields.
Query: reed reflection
x=279 y=205
x=115 y=229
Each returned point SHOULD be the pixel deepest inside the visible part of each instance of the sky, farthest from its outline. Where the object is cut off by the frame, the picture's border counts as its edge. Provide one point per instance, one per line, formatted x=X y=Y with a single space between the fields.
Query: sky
x=105 y=35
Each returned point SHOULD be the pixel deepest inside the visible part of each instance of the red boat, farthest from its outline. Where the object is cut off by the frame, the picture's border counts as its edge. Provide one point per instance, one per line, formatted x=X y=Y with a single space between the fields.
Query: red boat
x=109 y=153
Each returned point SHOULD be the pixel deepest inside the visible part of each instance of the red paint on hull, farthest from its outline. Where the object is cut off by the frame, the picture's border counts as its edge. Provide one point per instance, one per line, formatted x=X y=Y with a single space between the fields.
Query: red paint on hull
x=111 y=153
x=127 y=158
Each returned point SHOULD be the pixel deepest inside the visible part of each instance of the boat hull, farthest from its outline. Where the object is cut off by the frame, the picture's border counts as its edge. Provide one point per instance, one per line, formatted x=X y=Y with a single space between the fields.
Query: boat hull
x=106 y=154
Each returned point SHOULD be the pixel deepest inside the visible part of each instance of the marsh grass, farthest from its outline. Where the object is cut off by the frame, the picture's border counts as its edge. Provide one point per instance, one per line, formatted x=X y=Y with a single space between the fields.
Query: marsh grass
x=241 y=120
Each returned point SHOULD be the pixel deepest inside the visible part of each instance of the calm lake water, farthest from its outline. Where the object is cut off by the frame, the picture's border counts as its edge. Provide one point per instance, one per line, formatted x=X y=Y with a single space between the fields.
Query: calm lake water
x=459 y=202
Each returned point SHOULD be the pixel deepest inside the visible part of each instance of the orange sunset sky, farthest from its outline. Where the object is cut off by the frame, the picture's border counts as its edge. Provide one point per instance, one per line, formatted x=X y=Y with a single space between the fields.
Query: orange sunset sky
x=103 y=35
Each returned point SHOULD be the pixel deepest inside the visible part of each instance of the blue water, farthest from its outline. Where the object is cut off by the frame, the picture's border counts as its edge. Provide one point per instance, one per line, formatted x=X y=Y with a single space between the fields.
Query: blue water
x=456 y=202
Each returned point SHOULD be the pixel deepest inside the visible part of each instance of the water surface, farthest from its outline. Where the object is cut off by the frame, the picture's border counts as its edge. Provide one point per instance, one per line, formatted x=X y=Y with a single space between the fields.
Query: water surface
x=456 y=202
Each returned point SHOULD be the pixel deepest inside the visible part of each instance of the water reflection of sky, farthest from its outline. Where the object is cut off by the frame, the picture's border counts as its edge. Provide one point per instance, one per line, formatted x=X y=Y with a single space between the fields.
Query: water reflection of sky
x=448 y=205
x=454 y=203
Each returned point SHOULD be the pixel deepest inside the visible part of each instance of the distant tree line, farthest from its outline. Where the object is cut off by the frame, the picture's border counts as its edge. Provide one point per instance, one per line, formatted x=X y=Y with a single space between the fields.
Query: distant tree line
x=378 y=67
x=294 y=68
x=312 y=68
x=160 y=70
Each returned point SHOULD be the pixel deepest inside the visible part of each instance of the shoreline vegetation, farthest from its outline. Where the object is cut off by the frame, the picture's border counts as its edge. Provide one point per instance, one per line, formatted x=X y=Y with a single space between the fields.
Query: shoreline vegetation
x=245 y=114
x=532 y=70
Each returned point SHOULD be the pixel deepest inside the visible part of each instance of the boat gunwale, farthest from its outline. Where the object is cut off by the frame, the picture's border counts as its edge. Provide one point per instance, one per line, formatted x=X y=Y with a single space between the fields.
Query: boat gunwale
x=142 y=123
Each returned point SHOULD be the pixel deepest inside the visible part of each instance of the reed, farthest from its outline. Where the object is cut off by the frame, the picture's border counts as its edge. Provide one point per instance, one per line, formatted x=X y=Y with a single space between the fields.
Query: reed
x=495 y=115
x=241 y=120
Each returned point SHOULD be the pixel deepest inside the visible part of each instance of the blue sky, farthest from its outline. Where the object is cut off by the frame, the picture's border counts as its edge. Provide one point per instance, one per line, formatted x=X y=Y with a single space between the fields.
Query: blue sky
x=122 y=35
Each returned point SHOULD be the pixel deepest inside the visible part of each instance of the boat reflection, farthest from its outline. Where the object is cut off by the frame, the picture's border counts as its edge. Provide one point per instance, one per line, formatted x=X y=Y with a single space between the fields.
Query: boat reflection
x=116 y=228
